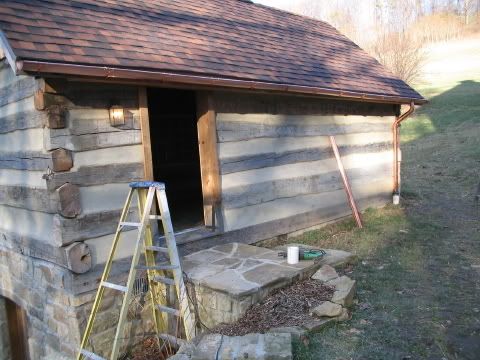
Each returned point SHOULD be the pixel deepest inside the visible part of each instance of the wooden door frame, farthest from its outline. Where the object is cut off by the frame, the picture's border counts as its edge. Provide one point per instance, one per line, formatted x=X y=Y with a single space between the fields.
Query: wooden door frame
x=17 y=328
x=207 y=144
x=209 y=164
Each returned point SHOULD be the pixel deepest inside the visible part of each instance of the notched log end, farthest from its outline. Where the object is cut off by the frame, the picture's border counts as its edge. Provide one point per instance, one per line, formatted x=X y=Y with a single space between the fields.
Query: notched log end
x=79 y=258
x=56 y=117
x=69 y=201
x=62 y=160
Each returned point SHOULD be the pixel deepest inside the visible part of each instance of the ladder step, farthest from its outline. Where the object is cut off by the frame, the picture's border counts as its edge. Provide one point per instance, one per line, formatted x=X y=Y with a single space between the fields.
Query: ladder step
x=172 y=339
x=155 y=217
x=157 y=267
x=130 y=224
x=91 y=355
x=164 y=280
x=157 y=248
x=168 y=310
x=114 y=286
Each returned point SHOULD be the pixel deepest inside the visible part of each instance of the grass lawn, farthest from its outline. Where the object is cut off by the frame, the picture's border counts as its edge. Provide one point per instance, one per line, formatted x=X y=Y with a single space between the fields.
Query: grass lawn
x=419 y=270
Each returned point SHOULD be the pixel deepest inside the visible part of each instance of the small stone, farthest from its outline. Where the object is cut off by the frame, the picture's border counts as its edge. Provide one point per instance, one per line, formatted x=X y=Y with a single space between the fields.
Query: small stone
x=295 y=331
x=327 y=309
x=344 y=290
x=344 y=316
x=325 y=273
x=315 y=325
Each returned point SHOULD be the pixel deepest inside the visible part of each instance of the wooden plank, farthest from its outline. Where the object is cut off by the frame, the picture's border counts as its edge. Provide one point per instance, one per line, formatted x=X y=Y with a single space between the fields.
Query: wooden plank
x=209 y=165
x=245 y=103
x=75 y=257
x=86 y=226
x=239 y=131
x=108 y=156
x=285 y=144
x=58 y=160
x=29 y=198
x=243 y=163
x=264 y=192
x=25 y=160
x=145 y=128
x=283 y=208
x=22 y=120
x=22 y=140
x=97 y=175
x=271 y=229
x=29 y=178
x=346 y=183
x=84 y=121
x=356 y=160
x=28 y=223
x=64 y=139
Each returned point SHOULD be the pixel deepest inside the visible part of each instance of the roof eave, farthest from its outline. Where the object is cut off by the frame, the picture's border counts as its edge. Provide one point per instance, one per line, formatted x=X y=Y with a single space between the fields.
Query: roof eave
x=42 y=67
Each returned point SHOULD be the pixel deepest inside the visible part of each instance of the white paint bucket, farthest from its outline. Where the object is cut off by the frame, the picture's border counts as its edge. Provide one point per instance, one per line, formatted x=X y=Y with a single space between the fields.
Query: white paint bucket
x=396 y=199
x=293 y=254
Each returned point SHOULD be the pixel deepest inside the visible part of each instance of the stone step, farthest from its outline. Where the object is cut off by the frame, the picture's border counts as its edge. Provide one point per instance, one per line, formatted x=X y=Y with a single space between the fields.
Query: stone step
x=251 y=346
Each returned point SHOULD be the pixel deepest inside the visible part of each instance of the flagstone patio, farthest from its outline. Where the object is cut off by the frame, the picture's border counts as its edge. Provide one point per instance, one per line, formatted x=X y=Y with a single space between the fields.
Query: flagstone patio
x=229 y=278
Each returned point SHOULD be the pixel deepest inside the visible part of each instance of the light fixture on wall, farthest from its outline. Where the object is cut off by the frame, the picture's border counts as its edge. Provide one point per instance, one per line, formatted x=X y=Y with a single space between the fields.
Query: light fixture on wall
x=117 y=115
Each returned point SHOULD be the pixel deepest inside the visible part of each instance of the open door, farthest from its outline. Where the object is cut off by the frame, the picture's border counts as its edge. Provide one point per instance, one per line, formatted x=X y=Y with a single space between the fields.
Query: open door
x=175 y=153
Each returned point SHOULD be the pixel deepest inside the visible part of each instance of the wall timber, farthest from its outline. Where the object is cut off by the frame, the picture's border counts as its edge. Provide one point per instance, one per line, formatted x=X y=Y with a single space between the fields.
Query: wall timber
x=278 y=171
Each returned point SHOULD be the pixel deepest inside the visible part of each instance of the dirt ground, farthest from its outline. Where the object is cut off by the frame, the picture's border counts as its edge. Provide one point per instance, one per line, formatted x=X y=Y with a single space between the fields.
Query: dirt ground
x=419 y=274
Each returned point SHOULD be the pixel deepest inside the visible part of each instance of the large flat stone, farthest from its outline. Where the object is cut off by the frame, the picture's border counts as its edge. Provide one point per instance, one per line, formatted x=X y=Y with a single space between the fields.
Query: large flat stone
x=270 y=346
x=325 y=273
x=231 y=282
x=240 y=250
x=269 y=274
x=328 y=309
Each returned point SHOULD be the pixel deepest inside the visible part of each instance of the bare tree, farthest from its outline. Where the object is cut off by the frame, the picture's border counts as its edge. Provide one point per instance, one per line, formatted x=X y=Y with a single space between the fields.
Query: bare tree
x=401 y=54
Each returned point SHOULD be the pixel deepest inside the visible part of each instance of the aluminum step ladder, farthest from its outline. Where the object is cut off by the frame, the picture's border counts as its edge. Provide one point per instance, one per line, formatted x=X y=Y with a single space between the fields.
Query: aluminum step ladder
x=148 y=194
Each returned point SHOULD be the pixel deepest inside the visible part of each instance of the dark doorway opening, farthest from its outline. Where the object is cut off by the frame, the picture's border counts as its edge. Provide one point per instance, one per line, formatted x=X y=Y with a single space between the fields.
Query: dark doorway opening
x=17 y=328
x=176 y=161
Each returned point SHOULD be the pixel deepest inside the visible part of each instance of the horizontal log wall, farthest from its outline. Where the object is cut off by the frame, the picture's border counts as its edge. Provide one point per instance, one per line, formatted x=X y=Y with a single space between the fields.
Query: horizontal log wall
x=64 y=169
x=278 y=171
x=105 y=158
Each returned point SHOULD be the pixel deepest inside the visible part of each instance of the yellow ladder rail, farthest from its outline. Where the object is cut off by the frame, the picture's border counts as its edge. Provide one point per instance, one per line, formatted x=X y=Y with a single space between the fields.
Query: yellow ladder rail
x=149 y=195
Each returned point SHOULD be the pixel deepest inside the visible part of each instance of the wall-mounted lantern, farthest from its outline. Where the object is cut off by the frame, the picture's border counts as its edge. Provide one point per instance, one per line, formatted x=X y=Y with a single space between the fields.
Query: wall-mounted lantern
x=117 y=116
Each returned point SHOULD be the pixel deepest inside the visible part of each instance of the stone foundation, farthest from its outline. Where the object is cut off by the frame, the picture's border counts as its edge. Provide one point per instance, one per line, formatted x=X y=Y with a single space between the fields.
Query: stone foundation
x=57 y=303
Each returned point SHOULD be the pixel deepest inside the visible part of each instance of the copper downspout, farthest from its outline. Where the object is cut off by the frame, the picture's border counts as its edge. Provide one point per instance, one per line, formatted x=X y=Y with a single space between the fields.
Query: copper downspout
x=346 y=183
x=396 y=147
x=204 y=80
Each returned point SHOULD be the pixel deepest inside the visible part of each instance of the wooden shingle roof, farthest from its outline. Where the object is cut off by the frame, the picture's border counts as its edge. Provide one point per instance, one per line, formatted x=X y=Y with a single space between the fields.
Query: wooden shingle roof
x=217 y=42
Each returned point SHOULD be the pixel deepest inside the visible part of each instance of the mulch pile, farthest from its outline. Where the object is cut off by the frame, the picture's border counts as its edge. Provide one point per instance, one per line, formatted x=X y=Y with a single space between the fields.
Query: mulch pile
x=288 y=306
x=149 y=350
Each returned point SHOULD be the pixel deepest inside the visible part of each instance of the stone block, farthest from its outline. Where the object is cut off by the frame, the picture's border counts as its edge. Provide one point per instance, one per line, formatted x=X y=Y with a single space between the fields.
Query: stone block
x=325 y=273
x=327 y=309
x=296 y=332
x=344 y=290
x=316 y=325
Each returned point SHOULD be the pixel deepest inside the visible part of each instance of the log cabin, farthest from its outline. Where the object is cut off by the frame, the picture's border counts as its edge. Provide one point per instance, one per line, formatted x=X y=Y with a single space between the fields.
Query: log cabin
x=227 y=102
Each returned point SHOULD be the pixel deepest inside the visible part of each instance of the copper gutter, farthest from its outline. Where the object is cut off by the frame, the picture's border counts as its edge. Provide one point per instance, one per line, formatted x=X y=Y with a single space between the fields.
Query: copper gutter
x=396 y=147
x=346 y=183
x=173 y=78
